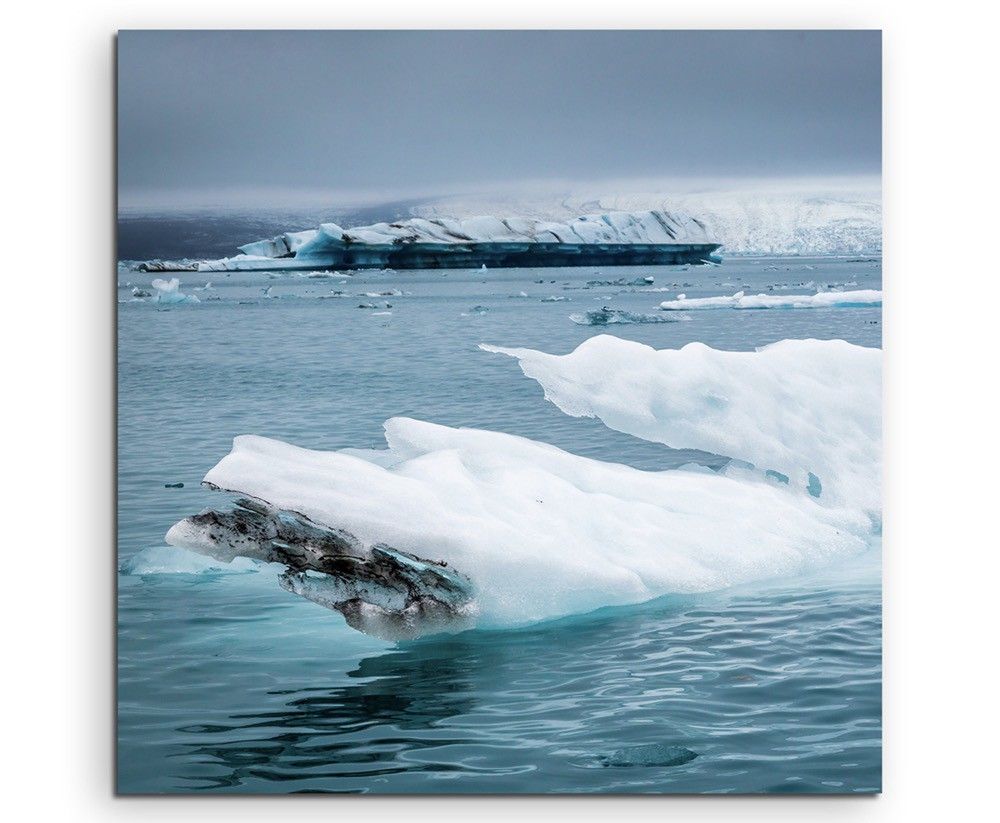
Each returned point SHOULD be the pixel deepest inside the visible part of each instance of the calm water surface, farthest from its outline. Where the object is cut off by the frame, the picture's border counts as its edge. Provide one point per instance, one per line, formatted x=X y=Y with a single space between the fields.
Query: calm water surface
x=229 y=684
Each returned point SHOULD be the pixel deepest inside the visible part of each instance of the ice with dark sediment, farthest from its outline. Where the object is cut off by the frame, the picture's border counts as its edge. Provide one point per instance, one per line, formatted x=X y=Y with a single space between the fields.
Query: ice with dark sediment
x=449 y=528
x=607 y=316
x=639 y=237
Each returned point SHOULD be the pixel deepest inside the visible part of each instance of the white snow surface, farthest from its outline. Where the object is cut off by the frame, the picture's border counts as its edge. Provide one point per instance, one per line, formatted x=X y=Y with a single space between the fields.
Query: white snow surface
x=543 y=533
x=796 y=407
x=740 y=300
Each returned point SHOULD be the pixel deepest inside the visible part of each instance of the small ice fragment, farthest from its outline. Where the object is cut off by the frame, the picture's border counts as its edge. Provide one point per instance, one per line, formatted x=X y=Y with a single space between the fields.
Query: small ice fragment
x=169 y=292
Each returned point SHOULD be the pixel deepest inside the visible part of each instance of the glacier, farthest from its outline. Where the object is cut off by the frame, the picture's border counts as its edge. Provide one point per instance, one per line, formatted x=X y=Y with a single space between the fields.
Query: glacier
x=614 y=238
x=449 y=528
x=862 y=298
x=780 y=216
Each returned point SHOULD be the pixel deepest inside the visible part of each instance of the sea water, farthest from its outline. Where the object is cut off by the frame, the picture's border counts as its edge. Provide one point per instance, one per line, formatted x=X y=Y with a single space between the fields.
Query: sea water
x=227 y=683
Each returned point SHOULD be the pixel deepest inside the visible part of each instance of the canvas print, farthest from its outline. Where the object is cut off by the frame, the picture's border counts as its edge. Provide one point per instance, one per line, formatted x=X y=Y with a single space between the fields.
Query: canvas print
x=499 y=412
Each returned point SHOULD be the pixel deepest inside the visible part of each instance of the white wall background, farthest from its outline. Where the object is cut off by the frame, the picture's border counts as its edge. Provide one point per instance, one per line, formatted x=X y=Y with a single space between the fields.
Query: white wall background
x=941 y=403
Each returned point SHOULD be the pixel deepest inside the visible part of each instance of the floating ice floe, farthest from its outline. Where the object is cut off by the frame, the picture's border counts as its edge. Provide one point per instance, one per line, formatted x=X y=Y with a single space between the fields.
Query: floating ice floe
x=499 y=530
x=449 y=528
x=621 y=281
x=168 y=292
x=609 y=317
x=172 y=560
x=740 y=300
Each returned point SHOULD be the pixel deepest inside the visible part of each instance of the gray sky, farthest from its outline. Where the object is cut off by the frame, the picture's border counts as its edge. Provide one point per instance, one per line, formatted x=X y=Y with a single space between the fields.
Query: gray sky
x=403 y=113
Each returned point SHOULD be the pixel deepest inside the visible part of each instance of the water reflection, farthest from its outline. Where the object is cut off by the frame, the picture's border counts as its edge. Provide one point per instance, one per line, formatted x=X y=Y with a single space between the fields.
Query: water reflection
x=727 y=683
x=401 y=700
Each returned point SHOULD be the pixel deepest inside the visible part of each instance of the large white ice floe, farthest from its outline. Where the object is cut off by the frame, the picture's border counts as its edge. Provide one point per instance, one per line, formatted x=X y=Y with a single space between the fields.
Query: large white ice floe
x=449 y=528
x=807 y=409
x=821 y=300
x=527 y=530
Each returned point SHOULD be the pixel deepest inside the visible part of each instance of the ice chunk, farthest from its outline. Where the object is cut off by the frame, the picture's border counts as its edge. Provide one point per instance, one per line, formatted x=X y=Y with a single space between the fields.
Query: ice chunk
x=378 y=589
x=822 y=300
x=172 y=560
x=169 y=292
x=796 y=407
x=538 y=532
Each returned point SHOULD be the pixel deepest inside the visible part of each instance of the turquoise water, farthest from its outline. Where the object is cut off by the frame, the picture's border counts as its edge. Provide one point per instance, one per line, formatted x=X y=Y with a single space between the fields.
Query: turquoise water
x=229 y=684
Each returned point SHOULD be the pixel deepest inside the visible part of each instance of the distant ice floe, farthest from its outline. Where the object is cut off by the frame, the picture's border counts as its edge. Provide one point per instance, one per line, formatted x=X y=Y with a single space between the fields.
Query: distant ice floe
x=168 y=292
x=610 y=317
x=644 y=236
x=782 y=408
x=740 y=300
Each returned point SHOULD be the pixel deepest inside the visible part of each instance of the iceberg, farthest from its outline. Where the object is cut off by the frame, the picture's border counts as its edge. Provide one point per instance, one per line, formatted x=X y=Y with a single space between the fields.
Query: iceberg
x=168 y=292
x=449 y=528
x=615 y=238
x=456 y=527
x=864 y=298
x=802 y=408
